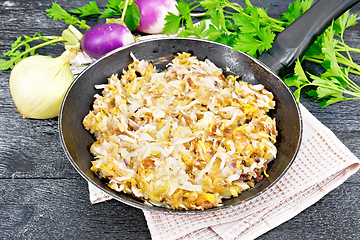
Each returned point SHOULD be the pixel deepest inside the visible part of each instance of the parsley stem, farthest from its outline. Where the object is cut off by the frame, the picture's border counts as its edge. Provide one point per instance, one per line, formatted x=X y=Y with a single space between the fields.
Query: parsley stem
x=58 y=39
x=276 y=28
x=314 y=59
x=230 y=14
x=350 y=49
x=352 y=98
x=353 y=68
x=318 y=59
x=194 y=7
x=232 y=6
x=237 y=5
x=342 y=90
x=351 y=84
x=356 y=94
x=198 y=14
x=34 y=39
x=124 y=11
x=352 y=65
x=346 y=48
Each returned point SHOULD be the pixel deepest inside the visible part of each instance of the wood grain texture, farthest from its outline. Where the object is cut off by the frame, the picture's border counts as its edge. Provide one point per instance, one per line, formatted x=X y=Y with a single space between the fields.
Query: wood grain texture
x=43 y=197
x=60 y=209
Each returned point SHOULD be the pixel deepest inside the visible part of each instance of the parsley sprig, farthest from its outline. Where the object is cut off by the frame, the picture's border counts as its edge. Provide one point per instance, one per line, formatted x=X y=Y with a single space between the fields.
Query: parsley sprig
x=57 y=13
x=21 y=49
x=251 y=30
x=248 y=29
x=334 y=55
x=127 y=9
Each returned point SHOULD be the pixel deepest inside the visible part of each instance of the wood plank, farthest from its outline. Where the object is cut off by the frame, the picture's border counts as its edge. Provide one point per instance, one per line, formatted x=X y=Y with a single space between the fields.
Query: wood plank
x=60 y=209
x=333 y=217
x=42 y=196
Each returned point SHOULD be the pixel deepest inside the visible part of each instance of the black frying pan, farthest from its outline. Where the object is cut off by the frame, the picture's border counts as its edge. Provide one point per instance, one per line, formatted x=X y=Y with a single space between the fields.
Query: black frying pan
x=76 y=141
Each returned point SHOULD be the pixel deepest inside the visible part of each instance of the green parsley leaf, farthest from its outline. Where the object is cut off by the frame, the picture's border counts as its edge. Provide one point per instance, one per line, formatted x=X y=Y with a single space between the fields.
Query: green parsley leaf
x=326 y=87
x=214 y=8
x=211 y=5
x=199 y=29
x=254 y=38
x=267 y=38
x=183 y=33
x=87 y=10
x=299 y=79
x=247 y=43
x=183 y=8
x=214 y=33
x=4 y=64
x=172 y=24
x=115 y=4
x=334 y=99
x=295 y=10
x=113 y=8
x=244 y=24
x=344 y=21
x=109 y=12
x=57 y=13
x=132 y=16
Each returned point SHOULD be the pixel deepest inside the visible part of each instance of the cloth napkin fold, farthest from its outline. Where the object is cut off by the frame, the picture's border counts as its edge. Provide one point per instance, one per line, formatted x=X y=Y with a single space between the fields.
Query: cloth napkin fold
x=322 y=164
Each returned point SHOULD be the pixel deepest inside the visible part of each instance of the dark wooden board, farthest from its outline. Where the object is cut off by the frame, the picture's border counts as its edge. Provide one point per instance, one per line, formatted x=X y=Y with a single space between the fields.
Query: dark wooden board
x=43 y=197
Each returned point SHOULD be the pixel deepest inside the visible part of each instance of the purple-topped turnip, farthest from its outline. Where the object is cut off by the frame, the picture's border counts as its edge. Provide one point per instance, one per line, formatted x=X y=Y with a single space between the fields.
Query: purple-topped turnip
x=153 y=14
x=103 y=38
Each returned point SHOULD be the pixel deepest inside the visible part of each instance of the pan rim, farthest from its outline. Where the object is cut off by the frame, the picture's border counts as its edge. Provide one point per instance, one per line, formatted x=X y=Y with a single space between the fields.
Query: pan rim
x=148 y=207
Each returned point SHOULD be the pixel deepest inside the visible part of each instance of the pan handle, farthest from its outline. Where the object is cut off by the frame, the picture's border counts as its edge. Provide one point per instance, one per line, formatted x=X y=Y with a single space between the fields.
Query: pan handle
x=298 y=36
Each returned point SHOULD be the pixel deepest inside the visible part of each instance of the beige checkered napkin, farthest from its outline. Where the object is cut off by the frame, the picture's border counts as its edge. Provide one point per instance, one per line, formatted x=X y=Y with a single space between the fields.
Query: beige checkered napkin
x=322 y=164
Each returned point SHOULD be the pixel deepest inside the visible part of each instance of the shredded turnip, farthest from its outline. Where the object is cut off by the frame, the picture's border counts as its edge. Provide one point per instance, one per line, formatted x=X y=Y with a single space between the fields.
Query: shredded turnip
x=184 y=138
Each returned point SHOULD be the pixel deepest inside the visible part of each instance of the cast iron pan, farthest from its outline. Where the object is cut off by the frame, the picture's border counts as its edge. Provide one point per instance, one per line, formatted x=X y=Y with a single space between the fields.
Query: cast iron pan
x=76 y=141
